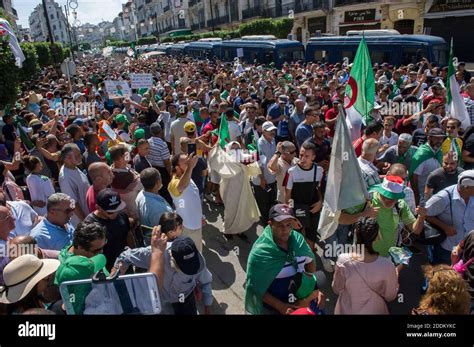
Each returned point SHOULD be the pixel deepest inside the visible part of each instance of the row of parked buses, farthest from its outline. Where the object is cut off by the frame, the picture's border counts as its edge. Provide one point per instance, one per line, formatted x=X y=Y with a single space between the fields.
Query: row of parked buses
x=384 y=46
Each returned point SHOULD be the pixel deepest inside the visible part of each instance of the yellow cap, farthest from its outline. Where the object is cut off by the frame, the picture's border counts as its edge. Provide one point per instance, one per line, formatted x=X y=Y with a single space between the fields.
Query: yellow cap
x=189 y=127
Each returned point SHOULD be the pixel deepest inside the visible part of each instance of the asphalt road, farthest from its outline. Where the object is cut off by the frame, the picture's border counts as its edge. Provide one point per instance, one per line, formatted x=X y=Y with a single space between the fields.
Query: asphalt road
x=227 y=261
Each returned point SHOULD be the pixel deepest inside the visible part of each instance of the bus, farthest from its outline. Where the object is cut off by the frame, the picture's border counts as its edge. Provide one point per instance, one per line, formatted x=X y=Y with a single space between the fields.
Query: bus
x=204 y=48
x=384 y=46
x=262 y=49
x=177 y=49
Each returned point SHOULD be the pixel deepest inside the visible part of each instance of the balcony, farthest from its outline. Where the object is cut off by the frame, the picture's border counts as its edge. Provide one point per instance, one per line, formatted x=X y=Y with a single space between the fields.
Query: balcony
x=350 y=2
x=166 y=9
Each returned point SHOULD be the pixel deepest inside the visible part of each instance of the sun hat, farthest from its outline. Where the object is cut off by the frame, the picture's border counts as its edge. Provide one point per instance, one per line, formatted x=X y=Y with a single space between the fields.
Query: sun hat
x=34 y=98
x=22 y=274
x=391 y=188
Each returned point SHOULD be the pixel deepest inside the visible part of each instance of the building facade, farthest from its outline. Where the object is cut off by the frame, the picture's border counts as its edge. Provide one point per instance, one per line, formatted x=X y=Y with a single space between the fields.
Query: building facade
x=7 y=6
x=57 y=20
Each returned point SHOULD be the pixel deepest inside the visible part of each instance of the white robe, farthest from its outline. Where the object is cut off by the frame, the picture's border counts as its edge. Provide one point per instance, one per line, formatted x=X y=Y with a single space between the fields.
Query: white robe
x=241 y=210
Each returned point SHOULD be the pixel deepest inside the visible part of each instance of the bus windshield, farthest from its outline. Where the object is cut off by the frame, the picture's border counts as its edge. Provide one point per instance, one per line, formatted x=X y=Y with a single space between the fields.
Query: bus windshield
x=290 y=54
x=440 y=55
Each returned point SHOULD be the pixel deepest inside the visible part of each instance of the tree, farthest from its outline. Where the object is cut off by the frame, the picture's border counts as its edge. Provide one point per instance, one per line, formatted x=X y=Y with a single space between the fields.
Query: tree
x=9 y=76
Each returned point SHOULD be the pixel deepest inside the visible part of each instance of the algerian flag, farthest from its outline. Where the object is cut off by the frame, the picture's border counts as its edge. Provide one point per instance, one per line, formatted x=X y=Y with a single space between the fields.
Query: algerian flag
x=224 y=132
x=345 y=186
x=455 y=103
x=360 y=89
x=7 y=30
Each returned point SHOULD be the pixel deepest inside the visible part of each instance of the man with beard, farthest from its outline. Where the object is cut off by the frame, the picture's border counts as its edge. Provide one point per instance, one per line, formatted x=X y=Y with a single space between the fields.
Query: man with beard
x=426 y=159
x=445 y=176
x=401 y=153
x=388 y=206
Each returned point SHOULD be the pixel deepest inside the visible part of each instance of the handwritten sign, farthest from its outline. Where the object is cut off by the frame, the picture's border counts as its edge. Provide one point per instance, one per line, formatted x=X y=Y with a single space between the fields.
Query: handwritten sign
x=141 y=80
x=240 y=52
x=118 y=89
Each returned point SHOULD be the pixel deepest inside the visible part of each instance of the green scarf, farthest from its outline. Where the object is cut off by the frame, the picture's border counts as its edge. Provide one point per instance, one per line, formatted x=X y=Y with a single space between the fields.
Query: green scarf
x=265 y=261
x=423 y=153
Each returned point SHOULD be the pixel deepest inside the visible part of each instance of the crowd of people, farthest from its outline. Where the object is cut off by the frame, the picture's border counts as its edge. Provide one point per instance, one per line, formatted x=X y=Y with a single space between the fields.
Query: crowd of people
x=95 y=183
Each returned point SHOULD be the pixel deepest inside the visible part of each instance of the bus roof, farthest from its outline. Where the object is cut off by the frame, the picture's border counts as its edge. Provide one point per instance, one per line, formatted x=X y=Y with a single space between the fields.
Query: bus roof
x=262 y=43
x=428 y=39
x=205 y=44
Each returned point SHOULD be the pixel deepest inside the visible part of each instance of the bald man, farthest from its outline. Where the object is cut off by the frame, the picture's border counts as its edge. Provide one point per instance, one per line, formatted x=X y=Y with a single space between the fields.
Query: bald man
x=296 y=117
x=26 y=244
x=101 y=176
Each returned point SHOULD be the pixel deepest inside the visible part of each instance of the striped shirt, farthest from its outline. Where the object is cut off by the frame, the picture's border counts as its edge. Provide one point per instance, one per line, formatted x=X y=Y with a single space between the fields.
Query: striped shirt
x=159 y=152
x=369 y=172
x=470 y=108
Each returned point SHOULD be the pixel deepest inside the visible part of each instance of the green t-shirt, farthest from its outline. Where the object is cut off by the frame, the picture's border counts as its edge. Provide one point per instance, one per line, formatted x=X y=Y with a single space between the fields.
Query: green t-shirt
x=388 y=220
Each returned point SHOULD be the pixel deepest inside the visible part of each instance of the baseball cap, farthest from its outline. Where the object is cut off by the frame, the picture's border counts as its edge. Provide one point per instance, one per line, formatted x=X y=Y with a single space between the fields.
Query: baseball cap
x=303 y=283
x=78 y=267
x=268 y=126
x=283 y=99
x=186 y=255
x=79 y=121
x=436 y=132
x=189 y=127
x=466 y=178
x=281 y=212
x=139 y=134
x=109 y=200
x=121 y=118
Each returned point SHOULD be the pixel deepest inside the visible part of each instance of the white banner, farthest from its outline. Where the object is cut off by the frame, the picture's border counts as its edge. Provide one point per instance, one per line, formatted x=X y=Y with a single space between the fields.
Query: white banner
x=118 y=89
x=141 y=80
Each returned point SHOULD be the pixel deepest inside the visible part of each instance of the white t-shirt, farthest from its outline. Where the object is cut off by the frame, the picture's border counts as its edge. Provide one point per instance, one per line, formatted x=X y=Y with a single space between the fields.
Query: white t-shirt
x=283 y=167
x=391 y=141
x=298 y=175
x=40 y=188
x=188 y=204
x=177 y=130
x=25 y=218
x=423 y=171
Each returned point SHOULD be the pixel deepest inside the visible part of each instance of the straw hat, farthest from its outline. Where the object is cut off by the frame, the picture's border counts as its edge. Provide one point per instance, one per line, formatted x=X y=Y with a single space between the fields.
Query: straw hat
x=34 y=98
x=22 y=274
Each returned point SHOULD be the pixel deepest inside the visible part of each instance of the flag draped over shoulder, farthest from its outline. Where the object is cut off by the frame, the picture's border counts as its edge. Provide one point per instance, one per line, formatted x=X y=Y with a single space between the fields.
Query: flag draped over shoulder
x=360 y=89
x=265 y=261
x=455 y=102
x=224 y=135
x=6 y=30
x=345 y=186
x=423 y=153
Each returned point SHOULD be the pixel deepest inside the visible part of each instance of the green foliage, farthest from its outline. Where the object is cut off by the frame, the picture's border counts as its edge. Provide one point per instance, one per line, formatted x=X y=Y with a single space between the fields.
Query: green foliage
x=30 y=65
x=279 y=27
x=9 y=76
x=86 y=46
x=43 y=50
x=149 y=40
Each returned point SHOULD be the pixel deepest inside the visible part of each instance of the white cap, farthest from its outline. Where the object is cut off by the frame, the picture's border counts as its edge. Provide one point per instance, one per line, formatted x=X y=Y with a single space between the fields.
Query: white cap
x=268 y=126
x=466 y=178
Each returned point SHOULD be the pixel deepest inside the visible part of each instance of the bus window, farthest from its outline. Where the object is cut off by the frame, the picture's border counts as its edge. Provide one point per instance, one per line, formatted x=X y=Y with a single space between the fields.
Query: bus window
x=412 y=55
x=321 y=55
x=267 y=56
x=227 y=54
x=378 y=56
x=440 y=55
x=349 y=54
x=250 y=55
x=290 y=54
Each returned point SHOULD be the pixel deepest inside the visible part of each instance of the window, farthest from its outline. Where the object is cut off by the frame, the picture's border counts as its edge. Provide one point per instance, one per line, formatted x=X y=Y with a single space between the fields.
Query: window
x=412 y=55
x=54 y=27
x=321 y=55
x=348 y=54
x=52 y=15
x=440 y=55
x=379 y=56
x=290 y=54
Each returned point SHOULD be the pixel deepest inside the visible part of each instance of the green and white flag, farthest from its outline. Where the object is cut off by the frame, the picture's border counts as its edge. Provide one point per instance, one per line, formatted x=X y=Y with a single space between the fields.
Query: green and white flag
x=345 y=186
x=360 y=89
x=456 y=106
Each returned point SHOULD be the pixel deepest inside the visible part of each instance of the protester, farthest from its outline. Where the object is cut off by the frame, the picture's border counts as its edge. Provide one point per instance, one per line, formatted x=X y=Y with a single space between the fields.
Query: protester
x=363 y=279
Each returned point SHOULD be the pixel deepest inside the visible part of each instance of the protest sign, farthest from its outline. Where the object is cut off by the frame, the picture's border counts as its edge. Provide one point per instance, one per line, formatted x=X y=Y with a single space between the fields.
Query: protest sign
x=118 y=89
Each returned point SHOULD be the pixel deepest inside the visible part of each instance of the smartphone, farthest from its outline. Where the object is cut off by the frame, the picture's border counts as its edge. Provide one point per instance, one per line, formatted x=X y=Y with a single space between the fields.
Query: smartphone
x=42 y=133
x=128 y=294
x=191 y=148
